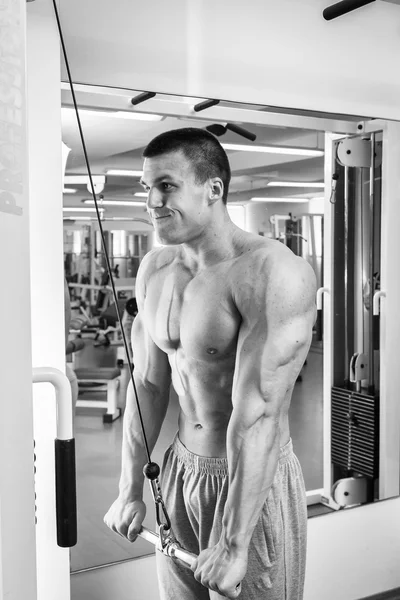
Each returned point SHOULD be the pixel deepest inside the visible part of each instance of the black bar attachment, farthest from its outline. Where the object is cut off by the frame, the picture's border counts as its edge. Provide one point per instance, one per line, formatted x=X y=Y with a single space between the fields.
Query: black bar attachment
x=343 y=7
x=205 y=104
x=142 y=98
x=66 y=493
x=241 y=131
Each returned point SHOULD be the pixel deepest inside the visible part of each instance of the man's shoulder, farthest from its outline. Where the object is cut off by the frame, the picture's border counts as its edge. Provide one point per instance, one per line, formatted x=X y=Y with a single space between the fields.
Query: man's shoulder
x=157 y=259
x=262 y=255
x=271 y=268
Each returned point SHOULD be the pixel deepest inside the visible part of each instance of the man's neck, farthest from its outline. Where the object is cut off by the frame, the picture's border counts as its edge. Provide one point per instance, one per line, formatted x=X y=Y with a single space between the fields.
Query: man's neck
x=216 y=244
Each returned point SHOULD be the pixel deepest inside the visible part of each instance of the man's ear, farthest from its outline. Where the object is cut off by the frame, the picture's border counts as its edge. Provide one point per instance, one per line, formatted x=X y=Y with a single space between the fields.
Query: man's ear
x=216 y=190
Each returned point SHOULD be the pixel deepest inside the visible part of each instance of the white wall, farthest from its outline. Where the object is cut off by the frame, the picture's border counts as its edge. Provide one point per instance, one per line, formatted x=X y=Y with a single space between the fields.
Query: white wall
x=389 y=320
x=287 y=56
x=47 y=293
x=275 y=52
x=17 y=501
x=354 y=553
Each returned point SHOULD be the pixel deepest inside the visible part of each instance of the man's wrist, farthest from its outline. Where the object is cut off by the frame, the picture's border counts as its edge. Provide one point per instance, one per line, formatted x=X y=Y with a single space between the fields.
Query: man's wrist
x=235 y=541
x=130 y=492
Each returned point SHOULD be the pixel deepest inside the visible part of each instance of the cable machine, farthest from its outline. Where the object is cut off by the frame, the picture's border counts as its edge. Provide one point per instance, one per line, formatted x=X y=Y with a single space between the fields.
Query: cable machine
x=356 y=256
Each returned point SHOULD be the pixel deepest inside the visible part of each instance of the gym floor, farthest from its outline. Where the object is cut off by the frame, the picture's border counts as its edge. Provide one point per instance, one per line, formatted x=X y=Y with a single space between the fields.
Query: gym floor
x=98 y=457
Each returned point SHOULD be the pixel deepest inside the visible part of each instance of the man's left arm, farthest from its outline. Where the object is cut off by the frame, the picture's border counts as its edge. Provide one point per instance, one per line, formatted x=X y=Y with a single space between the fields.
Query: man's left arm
x=273 y=343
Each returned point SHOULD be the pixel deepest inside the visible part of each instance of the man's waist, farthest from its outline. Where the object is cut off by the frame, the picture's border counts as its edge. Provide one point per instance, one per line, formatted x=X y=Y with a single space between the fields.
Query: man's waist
x=203 y=438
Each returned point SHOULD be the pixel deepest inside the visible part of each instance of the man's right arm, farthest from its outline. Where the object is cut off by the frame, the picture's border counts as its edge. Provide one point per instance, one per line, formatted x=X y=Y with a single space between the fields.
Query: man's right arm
x=152 y=377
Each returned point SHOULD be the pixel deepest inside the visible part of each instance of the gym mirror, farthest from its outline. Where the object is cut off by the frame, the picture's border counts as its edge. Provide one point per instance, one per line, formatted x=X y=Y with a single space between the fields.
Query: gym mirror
x=291 y=179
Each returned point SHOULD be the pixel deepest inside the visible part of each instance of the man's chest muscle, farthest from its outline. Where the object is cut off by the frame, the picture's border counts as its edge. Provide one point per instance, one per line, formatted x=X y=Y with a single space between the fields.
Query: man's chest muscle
x=194 y=313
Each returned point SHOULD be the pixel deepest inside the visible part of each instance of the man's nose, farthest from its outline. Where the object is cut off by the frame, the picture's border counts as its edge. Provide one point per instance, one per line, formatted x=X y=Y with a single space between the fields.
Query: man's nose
x=154 y=199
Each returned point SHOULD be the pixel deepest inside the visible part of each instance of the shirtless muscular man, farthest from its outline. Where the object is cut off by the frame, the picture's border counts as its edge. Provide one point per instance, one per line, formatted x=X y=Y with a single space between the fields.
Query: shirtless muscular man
x=227 y=316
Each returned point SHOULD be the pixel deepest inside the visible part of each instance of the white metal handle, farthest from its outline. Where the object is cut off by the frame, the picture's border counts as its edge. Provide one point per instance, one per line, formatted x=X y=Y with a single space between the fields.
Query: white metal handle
x=64 y=446
x=320 y=292
x=62 y=388
x=376 y=302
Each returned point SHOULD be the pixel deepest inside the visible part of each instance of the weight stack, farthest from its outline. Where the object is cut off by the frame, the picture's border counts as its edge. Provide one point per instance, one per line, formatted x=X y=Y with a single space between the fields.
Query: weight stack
x=355 y=432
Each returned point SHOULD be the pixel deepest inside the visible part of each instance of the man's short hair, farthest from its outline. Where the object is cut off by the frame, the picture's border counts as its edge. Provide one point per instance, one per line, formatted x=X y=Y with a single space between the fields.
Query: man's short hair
x=201 y=148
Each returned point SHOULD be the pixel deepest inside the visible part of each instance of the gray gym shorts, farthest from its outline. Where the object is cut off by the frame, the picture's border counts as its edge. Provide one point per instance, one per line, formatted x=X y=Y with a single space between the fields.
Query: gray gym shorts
x=195 y=490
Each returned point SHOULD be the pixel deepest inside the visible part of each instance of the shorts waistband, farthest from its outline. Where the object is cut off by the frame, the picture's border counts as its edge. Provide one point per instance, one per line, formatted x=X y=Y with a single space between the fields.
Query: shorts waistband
x=216 y=466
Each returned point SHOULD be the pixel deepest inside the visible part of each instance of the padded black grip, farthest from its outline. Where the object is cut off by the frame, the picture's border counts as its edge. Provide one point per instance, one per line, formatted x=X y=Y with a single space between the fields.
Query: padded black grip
x=66 y=493
x=342 y=8
x=249 y=135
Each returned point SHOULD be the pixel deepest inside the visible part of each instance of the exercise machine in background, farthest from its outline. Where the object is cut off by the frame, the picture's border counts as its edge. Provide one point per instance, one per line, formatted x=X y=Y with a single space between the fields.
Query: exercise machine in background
x=352 y=461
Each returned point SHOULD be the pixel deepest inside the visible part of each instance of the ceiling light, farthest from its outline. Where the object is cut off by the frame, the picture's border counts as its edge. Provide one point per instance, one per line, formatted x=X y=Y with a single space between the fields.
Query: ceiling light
x=295 y=184
x=286 y=200
x=84 y=179
x=124 y=173
x=69 y=191
x=136 y=116
x=132 y=220
x=118 y=114
x=80 y=209
x=273 y=149
x=117 y=203
x=73 y=218
x=141 y=194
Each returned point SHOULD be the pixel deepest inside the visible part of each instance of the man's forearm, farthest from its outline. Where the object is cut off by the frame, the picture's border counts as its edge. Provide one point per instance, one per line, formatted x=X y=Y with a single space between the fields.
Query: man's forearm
x=253 y=454
x=153 y=404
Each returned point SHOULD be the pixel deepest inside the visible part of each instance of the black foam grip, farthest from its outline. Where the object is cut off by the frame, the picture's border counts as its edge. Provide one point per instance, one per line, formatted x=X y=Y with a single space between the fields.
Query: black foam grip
x=249 y=135
x=343 y=7
x=142 y=98
x=66 y=493
x=205 y=104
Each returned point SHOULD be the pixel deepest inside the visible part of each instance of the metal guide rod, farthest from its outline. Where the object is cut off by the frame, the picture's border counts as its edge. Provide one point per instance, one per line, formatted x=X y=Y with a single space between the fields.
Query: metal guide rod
x=346 y=271
x=371 y=264
x=362 y=213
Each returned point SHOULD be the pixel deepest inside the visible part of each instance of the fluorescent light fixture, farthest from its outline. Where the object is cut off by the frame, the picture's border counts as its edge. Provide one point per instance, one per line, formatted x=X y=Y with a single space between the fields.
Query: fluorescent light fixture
x=121 y=219
x=285 y=200
x=73 y=218
x=295 y=184
x=273 y=149
x=141 y=194
x=80 y=209
x=69 y=191
x=135 y=116
x=124 y=173
x=117 y=203
x=84 y=179
x=117 y=114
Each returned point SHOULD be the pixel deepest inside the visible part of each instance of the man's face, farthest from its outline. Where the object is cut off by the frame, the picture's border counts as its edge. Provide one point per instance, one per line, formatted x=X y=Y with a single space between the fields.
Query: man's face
x=177 y=205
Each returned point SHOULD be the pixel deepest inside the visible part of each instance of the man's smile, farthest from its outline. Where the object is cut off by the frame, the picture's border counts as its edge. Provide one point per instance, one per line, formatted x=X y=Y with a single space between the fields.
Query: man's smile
x=158 y=218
